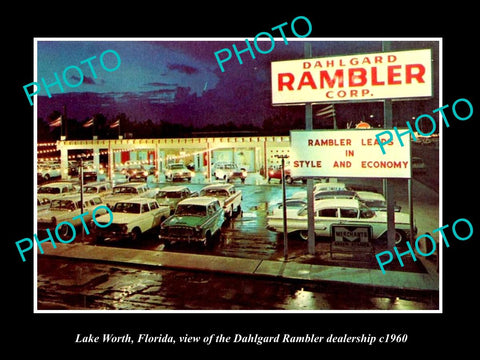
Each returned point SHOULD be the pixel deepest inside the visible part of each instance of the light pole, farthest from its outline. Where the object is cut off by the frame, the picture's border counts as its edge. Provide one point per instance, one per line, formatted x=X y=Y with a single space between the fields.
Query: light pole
x=284 y=207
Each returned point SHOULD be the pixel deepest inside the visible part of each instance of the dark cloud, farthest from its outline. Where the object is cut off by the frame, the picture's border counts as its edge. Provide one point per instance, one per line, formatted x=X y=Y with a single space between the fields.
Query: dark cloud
x=186 y=69
x=159 y=84
x=86 y=80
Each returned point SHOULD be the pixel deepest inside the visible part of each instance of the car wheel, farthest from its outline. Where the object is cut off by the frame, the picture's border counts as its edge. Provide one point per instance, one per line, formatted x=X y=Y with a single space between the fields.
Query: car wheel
x=289 y=180
x=46 y=177
x=64 y=231
x=400 y=237
x=303 y=234
x=136 y=234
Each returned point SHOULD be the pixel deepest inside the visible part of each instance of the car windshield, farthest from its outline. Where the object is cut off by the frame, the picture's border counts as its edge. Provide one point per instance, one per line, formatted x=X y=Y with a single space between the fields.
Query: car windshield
x=126 y=207
x=124 y=190
x=48 y=190
x=62 y=205
x=169 y=195
x=191 y=210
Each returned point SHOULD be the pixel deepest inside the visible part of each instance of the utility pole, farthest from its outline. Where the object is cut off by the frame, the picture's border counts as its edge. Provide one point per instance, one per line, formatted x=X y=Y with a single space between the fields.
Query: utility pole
x=388 y=187
x=310 y=199
x=284 y=208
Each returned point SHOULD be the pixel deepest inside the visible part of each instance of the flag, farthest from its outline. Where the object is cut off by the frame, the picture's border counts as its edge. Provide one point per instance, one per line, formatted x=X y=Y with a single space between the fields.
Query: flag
x=56 y=122
x=115 y=124
x=88 y=123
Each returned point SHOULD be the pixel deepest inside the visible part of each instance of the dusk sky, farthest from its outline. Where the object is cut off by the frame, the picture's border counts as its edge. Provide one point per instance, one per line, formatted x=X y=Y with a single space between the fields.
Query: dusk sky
x=155 y=72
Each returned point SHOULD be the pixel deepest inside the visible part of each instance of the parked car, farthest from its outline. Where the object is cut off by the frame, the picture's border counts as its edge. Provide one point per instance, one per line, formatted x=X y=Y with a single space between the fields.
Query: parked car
x=43 y=203
x=347 y=212
x=101 y=188
x=196 y=219
x=91 y=173
x=46 y=172
x=56 y=189
x=275 y=172
x=229 y=197
x=131 y=218
x=171 y=195
x=177 y=172
x=127 y=191
x=228 y=171
x=320 y=187
x=277 y=208
x=65 y=209
x=136 y=172
x=375 y=201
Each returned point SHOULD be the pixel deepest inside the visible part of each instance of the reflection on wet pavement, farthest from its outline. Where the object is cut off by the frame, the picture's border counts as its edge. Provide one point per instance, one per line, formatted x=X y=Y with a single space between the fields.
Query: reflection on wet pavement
x=73 y=285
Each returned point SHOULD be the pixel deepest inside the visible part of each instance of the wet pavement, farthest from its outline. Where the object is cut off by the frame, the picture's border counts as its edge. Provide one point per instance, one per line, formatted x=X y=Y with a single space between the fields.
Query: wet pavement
x=74 y=285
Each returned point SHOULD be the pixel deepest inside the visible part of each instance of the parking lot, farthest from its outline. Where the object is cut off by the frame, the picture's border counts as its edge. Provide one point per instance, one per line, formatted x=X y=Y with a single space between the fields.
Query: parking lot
x=245 y=234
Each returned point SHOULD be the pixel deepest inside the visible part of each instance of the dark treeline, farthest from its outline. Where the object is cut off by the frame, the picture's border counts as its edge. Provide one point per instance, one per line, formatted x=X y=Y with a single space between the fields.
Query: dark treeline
x=104 y=128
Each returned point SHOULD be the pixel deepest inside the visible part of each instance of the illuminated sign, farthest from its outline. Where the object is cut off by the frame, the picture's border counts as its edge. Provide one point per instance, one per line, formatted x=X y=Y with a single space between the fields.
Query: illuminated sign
x=361 y=77
x=347 y=153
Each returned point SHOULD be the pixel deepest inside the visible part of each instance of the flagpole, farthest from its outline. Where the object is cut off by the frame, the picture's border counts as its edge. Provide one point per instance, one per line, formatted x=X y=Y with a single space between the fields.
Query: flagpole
x=65 y=130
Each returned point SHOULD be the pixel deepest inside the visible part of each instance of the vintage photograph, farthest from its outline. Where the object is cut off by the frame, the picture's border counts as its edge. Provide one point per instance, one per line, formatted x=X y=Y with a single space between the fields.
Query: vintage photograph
x=277 y=173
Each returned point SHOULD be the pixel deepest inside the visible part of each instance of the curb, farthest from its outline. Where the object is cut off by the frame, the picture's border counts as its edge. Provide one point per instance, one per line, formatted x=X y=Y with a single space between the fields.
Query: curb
x=273 y=269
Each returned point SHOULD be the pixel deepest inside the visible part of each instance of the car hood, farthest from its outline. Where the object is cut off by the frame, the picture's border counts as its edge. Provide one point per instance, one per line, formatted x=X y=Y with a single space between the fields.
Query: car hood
x=191 y=221
x=46 y=215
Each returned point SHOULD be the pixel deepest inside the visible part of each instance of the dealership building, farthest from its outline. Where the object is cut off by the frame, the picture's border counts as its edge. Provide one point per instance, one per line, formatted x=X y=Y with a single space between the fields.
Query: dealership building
x=254 y=153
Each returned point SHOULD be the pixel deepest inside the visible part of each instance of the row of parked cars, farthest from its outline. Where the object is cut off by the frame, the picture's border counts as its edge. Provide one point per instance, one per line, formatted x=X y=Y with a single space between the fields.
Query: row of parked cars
x=179 y=214
x=335 y=204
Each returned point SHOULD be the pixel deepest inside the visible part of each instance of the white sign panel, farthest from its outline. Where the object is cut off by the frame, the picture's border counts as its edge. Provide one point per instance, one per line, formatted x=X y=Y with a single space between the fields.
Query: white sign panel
x=348 y=153
x=361 y=77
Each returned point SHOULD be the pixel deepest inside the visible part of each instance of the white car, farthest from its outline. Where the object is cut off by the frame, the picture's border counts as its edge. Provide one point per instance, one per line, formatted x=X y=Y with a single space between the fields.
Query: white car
x=46 y=172
x=56 y=189
x=228 y=171
x=319 y=187
x=65 y=209
x=346 y=212
x=177 y=172
x=101 y=188
x=171 y=195
x=131 y=218
x=375 y=201
x=229 y=197
x=127 y=191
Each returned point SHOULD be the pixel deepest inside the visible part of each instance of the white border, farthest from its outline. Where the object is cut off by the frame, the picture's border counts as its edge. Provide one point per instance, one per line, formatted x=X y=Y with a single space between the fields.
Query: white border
x=306 y=39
